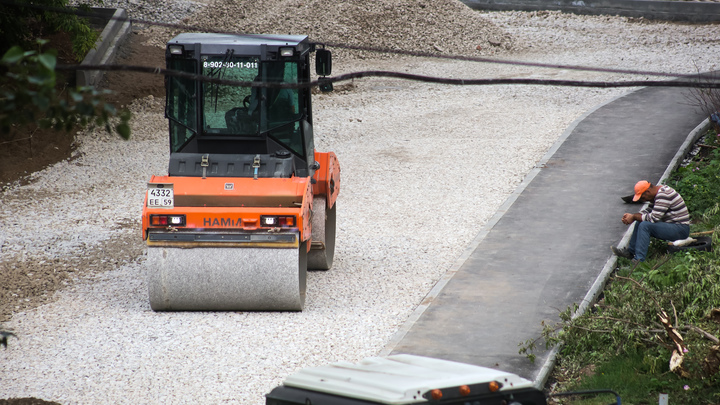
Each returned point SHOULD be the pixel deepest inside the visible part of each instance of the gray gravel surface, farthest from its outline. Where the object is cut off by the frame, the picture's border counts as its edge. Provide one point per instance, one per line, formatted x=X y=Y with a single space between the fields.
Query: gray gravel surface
x=424 y=167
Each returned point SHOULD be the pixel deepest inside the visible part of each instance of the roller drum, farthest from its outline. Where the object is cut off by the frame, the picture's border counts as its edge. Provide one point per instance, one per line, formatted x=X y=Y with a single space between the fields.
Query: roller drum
x=227 y=279
x=322 y=252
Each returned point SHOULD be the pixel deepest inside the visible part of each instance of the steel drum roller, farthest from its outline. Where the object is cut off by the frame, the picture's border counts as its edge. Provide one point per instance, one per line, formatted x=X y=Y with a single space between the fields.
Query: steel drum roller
x=227 y=279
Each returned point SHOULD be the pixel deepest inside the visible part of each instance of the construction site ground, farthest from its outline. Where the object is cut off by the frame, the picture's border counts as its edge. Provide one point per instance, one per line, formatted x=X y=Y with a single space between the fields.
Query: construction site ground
x=541 y=251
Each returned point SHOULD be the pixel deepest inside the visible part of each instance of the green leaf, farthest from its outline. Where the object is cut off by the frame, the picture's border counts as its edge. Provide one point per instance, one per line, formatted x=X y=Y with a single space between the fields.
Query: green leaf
x=40 y=80
x=47 y=60
x=110 y=109
x=42 y=103
x=124 y=130
x=13 y=55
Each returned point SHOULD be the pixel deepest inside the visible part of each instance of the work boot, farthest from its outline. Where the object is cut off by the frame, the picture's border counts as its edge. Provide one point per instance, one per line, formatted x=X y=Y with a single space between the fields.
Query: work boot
x=621 y=252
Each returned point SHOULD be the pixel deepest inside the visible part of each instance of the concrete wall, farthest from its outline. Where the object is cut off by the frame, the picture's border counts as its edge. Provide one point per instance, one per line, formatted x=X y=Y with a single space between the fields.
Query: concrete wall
x=688 y=11
x=115 y=31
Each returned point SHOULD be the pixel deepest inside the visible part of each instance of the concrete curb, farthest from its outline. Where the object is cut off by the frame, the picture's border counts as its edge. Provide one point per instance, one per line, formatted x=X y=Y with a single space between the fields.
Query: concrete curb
x=602 y=278
x=688 y=11
x=105 y=49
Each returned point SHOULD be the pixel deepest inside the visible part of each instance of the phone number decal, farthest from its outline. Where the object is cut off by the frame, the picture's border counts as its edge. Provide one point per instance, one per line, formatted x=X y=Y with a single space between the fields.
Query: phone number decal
x=231 y=65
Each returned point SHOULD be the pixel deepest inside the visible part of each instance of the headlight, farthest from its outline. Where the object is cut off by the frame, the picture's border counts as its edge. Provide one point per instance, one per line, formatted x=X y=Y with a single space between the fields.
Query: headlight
x=167 y=220
x=175 y=49
x=277 y=221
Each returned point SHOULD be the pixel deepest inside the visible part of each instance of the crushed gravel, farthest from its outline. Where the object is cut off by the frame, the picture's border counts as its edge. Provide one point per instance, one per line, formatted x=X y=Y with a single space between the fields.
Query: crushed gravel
x=424 y=167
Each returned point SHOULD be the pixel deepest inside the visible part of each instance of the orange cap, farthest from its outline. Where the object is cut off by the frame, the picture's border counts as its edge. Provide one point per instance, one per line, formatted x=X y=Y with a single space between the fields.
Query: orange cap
x=640 y=187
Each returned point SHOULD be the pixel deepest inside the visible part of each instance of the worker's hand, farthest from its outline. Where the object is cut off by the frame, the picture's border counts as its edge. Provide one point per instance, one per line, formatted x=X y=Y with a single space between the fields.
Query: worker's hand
x=628 y=219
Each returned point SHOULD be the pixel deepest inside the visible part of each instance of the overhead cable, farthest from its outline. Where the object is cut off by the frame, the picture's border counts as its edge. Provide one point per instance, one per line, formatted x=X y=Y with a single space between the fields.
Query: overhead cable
x=89 y=13
x=694 y=81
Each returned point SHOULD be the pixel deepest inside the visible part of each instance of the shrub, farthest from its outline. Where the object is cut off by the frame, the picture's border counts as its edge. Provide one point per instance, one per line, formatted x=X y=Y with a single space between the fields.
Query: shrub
x=699 y=181
x=22 y=26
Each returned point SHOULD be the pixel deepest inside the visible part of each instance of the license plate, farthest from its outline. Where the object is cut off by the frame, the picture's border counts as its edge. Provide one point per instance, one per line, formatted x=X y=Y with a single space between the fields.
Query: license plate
x=160 y=196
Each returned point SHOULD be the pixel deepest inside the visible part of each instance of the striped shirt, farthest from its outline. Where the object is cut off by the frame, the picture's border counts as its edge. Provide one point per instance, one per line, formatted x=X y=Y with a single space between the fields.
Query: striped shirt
x=668 y=206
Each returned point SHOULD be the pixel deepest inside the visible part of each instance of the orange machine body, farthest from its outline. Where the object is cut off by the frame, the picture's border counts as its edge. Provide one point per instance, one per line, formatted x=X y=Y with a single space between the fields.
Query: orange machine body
x=247 y=205
x=236 y=204
x=327 y=177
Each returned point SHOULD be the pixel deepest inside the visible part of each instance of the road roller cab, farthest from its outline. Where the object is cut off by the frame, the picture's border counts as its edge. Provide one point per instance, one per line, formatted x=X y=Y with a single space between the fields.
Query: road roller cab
x=248 y=204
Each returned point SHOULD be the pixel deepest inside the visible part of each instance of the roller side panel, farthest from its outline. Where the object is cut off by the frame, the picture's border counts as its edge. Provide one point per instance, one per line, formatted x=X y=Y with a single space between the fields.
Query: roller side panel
x=306 y=214
x=327 y=177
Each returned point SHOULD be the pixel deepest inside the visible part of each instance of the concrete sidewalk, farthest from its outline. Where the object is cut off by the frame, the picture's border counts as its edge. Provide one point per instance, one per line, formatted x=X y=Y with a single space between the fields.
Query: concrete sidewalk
x=550 y=243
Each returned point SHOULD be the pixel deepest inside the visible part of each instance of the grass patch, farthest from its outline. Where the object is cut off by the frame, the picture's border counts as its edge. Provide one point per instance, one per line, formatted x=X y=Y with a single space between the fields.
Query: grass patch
x=640 y=380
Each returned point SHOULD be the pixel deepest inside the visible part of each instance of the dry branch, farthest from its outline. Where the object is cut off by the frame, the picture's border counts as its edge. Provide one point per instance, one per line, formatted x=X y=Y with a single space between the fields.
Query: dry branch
x=679 y=351
x=707 y=335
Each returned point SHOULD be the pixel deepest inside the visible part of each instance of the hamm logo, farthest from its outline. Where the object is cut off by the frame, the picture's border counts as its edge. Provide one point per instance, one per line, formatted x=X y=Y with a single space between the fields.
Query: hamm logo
x=222 y=222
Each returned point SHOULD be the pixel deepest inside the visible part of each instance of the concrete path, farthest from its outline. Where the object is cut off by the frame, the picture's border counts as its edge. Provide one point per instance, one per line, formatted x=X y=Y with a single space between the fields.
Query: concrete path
x=550 y=243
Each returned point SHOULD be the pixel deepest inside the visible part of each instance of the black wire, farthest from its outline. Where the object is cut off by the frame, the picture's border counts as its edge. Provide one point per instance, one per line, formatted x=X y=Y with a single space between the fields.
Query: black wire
x=600 y=391
x=84 y=13
x=686 y=82
x=500 y=61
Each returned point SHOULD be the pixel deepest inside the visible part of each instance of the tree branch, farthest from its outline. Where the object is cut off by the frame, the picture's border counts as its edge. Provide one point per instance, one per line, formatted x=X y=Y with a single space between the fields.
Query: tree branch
x=619 y=320
x=640 y=286
x=707 y=335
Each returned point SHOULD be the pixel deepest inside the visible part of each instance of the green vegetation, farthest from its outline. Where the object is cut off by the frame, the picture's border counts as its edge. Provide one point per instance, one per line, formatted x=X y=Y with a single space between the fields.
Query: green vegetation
x=633 y=376
x=28 y=96
x=621 y=343
x=699 y=182
x=21 y=26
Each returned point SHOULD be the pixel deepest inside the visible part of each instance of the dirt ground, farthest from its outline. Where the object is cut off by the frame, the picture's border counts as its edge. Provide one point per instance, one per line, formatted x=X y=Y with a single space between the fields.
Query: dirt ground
x=128 y=86
x=26 y=401
x=24 y=152
x=23 y=156
x=34 y=149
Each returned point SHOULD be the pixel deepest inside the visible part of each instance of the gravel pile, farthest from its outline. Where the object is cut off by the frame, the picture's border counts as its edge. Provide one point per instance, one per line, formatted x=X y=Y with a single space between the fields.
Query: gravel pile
x=424 y=167
x=409 y=25
x=423 y=25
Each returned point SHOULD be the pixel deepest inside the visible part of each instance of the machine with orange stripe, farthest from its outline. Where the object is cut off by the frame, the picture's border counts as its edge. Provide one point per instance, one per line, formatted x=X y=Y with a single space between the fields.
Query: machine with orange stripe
x=248 y=204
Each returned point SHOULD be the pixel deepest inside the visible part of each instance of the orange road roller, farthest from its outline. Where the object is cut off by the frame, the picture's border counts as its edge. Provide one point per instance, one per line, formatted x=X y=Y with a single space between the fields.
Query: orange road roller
x=248 y=204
